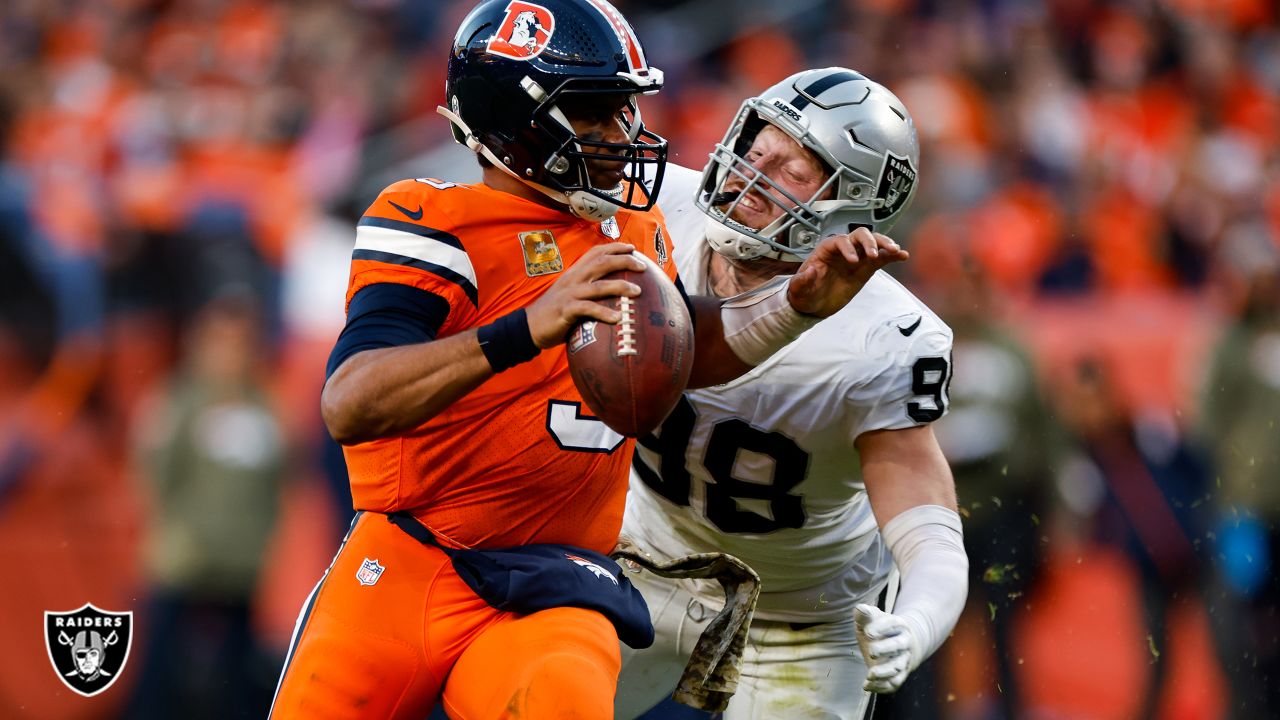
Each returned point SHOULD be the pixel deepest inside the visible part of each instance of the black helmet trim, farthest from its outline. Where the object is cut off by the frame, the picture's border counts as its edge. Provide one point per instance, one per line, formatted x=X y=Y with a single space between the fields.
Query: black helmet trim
x=794 y=234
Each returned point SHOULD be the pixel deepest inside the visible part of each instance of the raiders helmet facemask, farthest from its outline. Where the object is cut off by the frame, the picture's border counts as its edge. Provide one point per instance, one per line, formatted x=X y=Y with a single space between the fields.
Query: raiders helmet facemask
x=862 y=134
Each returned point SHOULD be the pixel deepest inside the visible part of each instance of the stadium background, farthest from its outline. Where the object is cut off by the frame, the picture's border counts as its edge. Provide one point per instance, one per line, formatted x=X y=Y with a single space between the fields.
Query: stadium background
x=1100 y=189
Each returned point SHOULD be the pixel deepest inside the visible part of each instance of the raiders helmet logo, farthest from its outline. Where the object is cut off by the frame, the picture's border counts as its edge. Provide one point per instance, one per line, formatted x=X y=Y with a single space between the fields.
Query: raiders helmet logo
x=525 y=31
x=88 y=647
x=897 y=179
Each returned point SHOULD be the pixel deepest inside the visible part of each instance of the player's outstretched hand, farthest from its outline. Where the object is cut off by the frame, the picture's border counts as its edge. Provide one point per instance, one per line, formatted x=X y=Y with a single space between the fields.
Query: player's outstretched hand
x=573 y=296
x=838 y=268
x=885 y=642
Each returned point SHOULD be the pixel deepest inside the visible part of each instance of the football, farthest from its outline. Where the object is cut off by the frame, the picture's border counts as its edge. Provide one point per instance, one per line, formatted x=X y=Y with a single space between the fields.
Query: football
x=631 y=374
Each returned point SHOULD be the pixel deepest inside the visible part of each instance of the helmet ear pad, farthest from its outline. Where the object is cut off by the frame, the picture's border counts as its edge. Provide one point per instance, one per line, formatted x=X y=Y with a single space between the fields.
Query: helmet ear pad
x=513 y=144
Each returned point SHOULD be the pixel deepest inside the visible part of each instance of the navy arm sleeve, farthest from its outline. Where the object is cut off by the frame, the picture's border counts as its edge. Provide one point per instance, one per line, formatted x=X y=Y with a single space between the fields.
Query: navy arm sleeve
x=387 y=315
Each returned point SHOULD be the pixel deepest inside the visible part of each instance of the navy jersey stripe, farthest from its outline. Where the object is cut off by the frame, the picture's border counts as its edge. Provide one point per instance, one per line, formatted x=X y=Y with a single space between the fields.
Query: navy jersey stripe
x=439 y=270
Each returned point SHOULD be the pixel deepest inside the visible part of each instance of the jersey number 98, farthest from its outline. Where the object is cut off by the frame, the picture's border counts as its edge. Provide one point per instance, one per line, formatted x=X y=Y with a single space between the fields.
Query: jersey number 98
x=728 y=437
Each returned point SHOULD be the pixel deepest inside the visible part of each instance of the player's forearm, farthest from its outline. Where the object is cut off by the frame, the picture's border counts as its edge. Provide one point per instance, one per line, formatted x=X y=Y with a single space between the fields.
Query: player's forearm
x=388 y=391
x=738 y=333
x=714 y=362
x=927 y=545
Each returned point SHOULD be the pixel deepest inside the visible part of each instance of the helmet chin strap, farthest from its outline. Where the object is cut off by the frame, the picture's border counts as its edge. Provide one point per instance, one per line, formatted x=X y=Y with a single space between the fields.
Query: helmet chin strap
x=581 y=203
x=737 y=245
x=587 y=206
x=729 y=242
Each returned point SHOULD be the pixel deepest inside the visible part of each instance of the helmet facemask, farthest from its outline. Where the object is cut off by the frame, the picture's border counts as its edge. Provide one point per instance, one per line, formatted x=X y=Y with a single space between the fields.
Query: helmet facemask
x=568 y=169
x=804 y=221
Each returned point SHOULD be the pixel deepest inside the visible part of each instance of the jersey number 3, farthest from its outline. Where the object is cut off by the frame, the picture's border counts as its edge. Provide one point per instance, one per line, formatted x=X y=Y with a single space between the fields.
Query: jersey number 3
x=724 y=496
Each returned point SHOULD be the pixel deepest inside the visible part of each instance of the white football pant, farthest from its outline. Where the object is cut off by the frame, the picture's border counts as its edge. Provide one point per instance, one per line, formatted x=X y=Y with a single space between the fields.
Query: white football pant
x=789 y=671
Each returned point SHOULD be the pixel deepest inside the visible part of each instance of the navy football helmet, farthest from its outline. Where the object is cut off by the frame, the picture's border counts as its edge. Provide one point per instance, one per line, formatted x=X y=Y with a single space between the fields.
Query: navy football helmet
x=515 y=62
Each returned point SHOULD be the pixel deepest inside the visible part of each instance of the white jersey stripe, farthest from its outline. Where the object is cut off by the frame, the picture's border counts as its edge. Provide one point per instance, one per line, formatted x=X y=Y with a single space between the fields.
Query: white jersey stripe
x=426 y=249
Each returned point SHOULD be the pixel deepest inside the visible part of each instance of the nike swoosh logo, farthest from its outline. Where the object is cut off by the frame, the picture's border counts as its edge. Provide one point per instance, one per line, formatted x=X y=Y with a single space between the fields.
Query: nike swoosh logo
x=906 y=331
x=417 y=215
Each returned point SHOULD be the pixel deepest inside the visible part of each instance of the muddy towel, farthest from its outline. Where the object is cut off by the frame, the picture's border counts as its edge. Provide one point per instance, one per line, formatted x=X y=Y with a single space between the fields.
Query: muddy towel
x=711 y=676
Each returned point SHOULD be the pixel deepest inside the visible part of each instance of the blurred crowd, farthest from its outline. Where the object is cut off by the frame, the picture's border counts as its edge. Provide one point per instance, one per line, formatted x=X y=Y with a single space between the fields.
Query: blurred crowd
x=1098 y=219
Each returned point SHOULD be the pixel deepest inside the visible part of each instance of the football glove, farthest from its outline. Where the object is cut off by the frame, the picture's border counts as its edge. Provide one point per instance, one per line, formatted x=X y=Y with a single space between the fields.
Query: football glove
x=885 y=642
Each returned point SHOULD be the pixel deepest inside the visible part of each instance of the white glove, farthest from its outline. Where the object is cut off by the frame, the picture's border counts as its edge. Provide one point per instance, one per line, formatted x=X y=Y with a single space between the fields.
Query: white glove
x=885 y=642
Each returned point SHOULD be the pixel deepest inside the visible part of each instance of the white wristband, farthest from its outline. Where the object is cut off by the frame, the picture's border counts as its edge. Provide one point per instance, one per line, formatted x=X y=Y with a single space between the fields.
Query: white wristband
x=927 y=544
x=760 y=322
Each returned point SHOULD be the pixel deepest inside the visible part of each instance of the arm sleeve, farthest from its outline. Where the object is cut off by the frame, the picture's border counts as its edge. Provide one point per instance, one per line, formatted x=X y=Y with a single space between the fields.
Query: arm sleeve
x=387 y=315
x=927 y=545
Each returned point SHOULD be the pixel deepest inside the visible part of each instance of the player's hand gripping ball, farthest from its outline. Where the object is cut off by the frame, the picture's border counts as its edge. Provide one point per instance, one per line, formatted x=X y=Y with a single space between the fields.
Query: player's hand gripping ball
x=631 y=374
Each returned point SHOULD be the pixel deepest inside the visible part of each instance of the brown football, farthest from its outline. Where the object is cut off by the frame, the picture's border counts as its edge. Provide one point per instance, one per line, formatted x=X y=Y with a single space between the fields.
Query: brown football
x=631 y=374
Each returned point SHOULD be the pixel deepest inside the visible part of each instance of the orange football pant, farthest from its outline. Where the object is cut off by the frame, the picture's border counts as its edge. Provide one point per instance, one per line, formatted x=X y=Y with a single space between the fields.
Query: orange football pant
x=393 y=648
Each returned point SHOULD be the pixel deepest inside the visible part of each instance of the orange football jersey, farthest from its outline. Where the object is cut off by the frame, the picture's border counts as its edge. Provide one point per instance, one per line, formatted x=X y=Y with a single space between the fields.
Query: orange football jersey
x=518 y=460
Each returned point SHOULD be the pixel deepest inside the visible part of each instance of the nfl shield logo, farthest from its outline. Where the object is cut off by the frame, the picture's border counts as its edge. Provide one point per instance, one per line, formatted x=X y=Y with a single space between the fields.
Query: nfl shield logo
x=583 y=335
x=88 y=647
x=369 y=572
x=609 y=227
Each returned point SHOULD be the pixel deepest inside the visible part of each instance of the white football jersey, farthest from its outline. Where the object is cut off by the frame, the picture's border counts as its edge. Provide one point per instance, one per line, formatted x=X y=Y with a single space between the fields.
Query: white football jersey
x=764 y=467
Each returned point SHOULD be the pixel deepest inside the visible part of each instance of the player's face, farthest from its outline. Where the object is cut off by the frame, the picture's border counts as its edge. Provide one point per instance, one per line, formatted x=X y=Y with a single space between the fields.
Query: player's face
x=785 y=162
x=600 y=118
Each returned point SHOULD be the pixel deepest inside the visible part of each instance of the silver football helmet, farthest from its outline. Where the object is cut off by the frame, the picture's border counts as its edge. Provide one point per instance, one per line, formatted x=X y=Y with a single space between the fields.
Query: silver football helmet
x=864 y=137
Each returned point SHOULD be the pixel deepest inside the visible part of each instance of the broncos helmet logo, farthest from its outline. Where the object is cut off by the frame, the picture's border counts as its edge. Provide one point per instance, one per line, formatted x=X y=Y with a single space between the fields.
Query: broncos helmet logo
x=525 y=31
